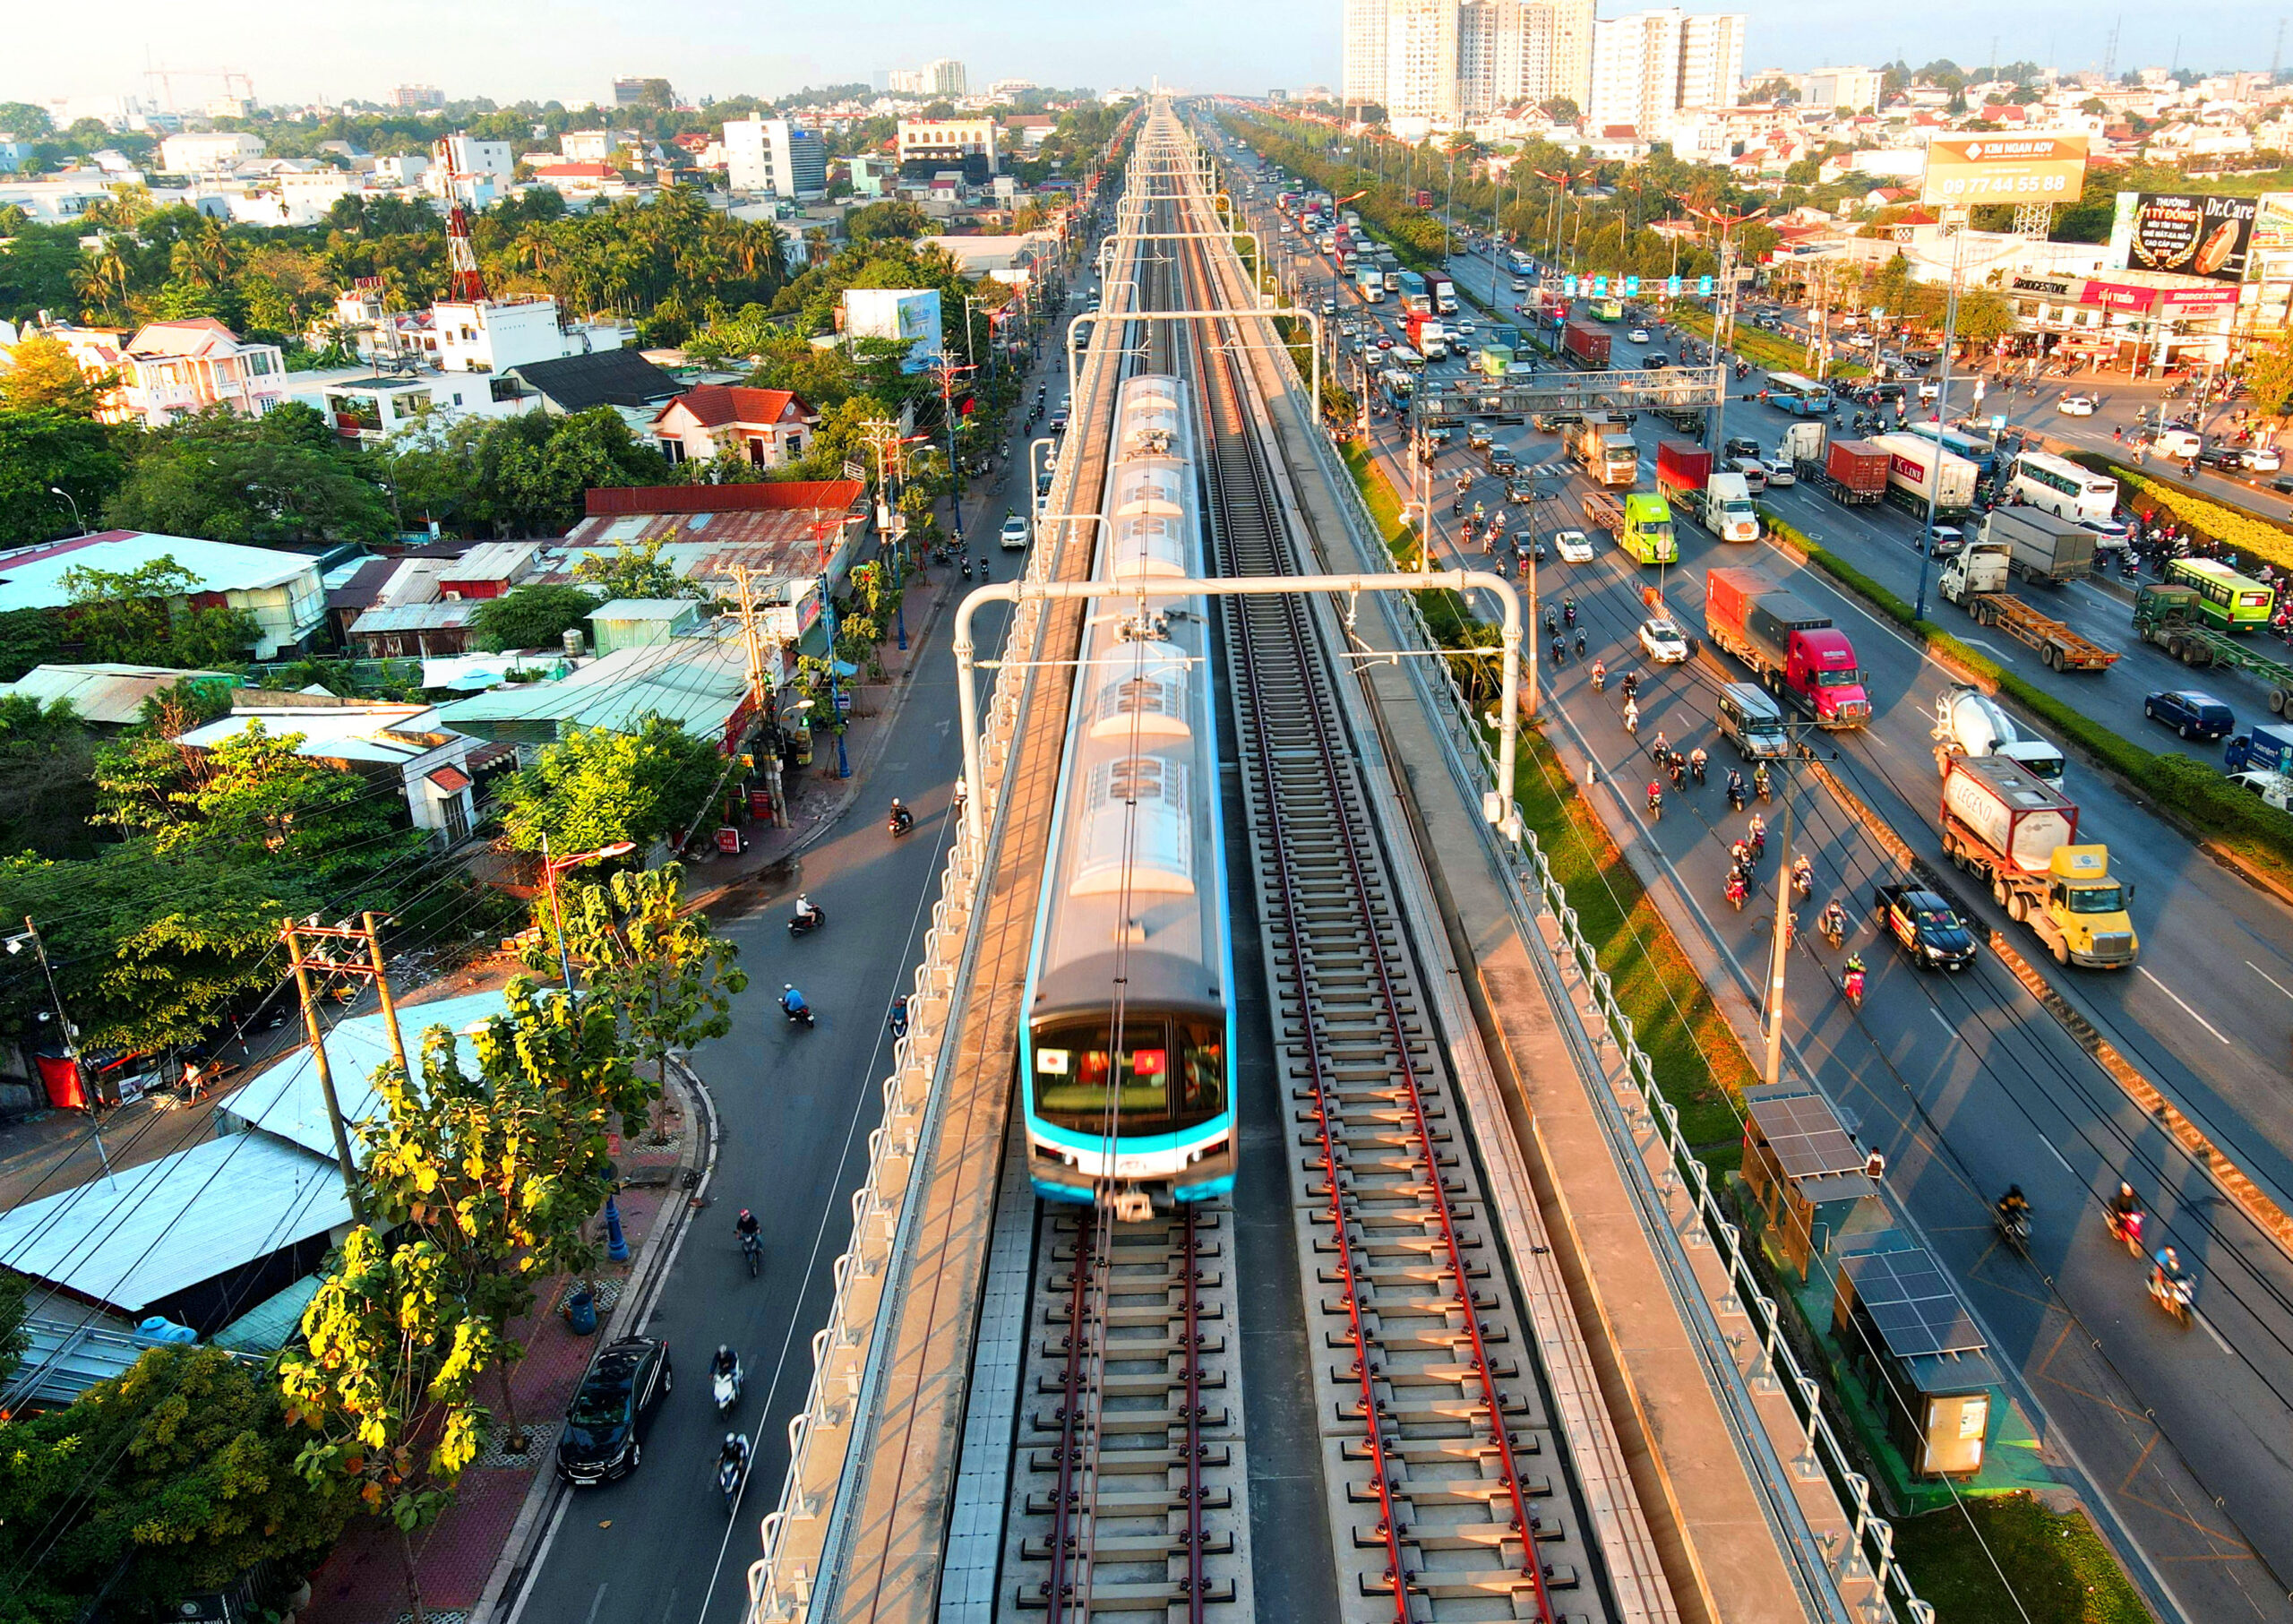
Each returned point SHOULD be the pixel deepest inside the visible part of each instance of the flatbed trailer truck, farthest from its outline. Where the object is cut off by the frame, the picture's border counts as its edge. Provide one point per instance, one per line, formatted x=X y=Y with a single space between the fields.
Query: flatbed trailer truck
x=2167 y=615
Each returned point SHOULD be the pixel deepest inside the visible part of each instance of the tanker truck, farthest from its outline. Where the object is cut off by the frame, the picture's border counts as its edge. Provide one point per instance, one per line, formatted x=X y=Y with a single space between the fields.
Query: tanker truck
x=2006 y=825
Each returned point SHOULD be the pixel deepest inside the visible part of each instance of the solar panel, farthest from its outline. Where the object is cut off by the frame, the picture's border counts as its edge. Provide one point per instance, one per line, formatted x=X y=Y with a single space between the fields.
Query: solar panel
x=1805 y=1133
x=1910 y=1301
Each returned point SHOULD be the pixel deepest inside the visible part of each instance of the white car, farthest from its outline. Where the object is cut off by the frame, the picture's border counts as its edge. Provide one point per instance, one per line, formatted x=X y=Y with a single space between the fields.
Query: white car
x=1014 y=532
x=1468 y=328
x=1663 y=641
x=1520 y=286
x=1638 y=335
x=1575 y=547
x=2274 y=788
x=2262 y=459
x=1779 y=471
x=2075 y=406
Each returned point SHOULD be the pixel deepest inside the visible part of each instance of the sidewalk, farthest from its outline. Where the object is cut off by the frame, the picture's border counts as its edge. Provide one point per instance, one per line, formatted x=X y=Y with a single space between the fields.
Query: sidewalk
x=502 y=1495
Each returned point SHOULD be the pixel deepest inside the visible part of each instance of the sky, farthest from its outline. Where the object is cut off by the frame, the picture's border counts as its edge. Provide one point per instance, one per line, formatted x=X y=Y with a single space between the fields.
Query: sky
x=545 y=50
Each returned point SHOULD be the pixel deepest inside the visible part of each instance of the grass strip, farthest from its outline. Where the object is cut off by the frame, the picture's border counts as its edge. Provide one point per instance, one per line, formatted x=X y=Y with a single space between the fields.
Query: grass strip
x=1770 y=351
x=2258 y=835
x=2063 y=1570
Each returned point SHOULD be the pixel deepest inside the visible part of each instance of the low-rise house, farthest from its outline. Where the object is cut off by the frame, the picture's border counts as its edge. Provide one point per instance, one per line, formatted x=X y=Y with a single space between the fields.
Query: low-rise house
x=282 y=590
x=766 y=427
x=396 y=744
x=619 y=378
x=105 y=695
x=699 y=680
x=786 y=533
x=170 y=370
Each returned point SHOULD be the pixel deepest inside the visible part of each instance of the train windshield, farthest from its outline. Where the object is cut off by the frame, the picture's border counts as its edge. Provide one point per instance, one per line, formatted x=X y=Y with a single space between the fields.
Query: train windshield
x=1168 y=1075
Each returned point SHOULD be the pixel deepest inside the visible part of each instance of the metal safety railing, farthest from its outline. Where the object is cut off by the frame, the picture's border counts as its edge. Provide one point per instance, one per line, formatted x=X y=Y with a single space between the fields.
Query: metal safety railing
x=796 y=1534
x=1868 y=1556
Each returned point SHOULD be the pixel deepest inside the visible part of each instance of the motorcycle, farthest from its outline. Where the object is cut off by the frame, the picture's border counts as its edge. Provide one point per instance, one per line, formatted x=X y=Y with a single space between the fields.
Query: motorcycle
x=1735 y=797
x=2127 y=1227
x=753 y=1251
x=1655 y=803
x=1679 y=775
x=730 y=1470
x=1834 y=930
x=1760 y=784
x=1737 y=891
x=1600 y=677
x=801 y=923
x=899 y=821
x=897 y=1019
x=2013 y=1230
x=800 y=1016
x=2176 y=1296
x=1852 y=985
x=1695 y=766
x=725 y=1385
x=1803 y=882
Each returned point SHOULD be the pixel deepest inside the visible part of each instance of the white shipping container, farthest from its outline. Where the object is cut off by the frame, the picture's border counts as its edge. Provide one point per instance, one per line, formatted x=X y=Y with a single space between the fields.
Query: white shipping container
x=1913 y=465
x=2018 y=816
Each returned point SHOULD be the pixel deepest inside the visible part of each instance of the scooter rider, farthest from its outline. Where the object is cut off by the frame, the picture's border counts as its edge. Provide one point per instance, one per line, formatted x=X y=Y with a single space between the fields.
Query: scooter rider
x=1696 y=761
x=1834 y=922
x=1735 y=790
x=792 y=1002
x=807 y=911
x=725 y=1363
x=1600 y=674
x=2166 y=1271
x=2013 y=1207
x=746 y=1226
x=902 y=819
x=735 y=1454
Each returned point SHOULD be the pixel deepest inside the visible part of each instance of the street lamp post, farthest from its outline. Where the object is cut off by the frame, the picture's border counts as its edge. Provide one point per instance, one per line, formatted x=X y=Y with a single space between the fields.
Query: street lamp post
x=551 y=867
x=79 y=524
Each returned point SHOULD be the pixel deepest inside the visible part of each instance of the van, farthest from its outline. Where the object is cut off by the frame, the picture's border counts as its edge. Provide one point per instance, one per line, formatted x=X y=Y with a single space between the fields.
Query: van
x=2178 y=443
x=1750 y=720
x=1754 y=472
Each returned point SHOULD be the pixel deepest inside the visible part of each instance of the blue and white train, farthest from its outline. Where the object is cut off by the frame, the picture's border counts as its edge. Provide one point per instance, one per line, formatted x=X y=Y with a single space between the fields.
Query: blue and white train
x=1126 y=1064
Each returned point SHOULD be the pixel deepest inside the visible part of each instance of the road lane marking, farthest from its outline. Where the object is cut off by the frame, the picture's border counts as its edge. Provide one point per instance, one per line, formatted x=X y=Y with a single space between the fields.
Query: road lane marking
x=599 y=1599
x=2271 y=980
x=2179 y=998
x=2209 y=1331
x=1947 y=1026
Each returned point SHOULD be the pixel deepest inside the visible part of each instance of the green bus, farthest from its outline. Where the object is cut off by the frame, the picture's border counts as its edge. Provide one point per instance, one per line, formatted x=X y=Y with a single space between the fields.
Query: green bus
x=1646 y=534
x=2225 y=599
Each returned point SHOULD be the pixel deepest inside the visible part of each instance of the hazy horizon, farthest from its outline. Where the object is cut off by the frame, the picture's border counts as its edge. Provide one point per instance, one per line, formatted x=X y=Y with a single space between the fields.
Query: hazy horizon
x=517 y=50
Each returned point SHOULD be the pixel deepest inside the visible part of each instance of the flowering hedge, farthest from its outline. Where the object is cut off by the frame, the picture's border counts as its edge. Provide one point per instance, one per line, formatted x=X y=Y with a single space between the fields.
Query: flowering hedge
x=2215 y=521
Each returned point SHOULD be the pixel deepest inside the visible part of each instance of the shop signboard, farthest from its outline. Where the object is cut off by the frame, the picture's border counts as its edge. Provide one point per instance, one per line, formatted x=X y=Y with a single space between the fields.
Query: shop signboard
x=2186 y=233
x=2272 y=228
x=2004 y=170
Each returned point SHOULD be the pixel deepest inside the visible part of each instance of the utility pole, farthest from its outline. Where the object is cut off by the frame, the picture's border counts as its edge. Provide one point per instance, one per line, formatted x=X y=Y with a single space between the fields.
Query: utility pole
x=292 y=934
x=760 y=693
x=1781 y=946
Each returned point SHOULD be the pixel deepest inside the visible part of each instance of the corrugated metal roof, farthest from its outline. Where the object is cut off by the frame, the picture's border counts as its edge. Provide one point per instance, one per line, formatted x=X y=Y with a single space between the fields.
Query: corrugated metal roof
x=647 y=608
x=492 y=560
x=32 y=578
x=443 y=615
x=698 y=682
x=345 y=732
x=110 y=695
x=151 y=1231
x=285 y=1098
x=64 y=1357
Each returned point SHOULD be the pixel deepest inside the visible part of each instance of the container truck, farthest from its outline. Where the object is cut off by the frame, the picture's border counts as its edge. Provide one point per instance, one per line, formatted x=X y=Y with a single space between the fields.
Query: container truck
x=1790 y=645
x=1602 y=441
x=2009 y=826
x=2167 y=613
x=1445 y=294
x=1427 y=336
x=1968 y=721
x=1413 y=297
x=1917 y=468
x=1851 y=472
x=1720 y=503
x=1975 y=581
x=2040 y=546
x=1585 y=345
x=1369 y=281
x=1640 y=521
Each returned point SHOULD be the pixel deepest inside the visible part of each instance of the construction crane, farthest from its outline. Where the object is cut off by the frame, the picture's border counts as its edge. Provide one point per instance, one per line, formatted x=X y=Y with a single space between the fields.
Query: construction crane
x=228 y=76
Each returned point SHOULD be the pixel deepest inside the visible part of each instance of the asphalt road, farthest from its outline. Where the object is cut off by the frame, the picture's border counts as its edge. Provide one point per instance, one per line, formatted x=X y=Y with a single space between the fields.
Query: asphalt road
x=794 y=1109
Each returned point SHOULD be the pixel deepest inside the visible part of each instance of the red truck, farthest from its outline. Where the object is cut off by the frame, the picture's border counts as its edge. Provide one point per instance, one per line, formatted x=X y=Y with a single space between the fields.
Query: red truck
x=1855 y=471
x=1790 y=645
x=1587 y=345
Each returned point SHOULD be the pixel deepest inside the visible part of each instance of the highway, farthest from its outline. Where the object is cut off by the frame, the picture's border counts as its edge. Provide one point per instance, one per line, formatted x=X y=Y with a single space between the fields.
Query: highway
x=1968 y=1084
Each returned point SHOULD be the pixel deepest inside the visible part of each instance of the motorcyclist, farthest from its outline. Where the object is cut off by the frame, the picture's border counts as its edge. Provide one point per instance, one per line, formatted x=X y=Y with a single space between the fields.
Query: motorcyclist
x=1655 y=796
x=1580 y=642
x=2125 y=1208
x=1735 y=790
x=1853 y=971
x=726 y=1362
x=1756 y=837
x=1737 y=889
x=897 y=1018
x=807 y=911
x=2167 y=1268
x=1661 y=748
x=1803 y=874
x=1559 y=649
x=2013 y=1207
x=1631 y=715
x=1696 y=761
x=792 y=1002
x=746 y=1226
x=1631 y=684
x=902 y=819
x=1600 y=674
x=734 y=1454
x=1569 y=610
x=1834 y=920
x=1759 y=780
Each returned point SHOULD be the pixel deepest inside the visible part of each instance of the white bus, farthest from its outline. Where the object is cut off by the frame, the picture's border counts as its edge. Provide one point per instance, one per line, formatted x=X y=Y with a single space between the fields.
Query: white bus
x=2062 y=488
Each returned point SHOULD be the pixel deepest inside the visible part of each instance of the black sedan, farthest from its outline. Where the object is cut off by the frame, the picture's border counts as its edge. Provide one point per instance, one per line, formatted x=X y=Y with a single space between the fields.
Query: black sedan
x=1924 y=927
x=611 y=1411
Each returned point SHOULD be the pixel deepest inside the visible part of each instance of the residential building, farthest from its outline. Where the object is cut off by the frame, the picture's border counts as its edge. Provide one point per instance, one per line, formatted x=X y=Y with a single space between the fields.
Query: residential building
x=701 y=680
x=766 y=427
x=1712 y=60
x=1648 y=66
x=374 y=407
x=1421 y=59
x=1827 y=90
x=105 y=695
x=14 y=155
x=479 y=172
x=418 y=97
x=620 y=378
x=790 y=535
x=282 y=590
x=214 y=152
x=495 y=335
x=927 y=145
x=597 y=146
x=393 y=746
x=1009 y=90
x=174 y=369
x=1364 y=82
x=774 y=157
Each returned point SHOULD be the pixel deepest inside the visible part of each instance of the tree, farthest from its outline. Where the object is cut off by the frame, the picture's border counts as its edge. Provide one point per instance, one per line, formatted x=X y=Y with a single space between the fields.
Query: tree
x=501 y=1172
x=2268 y=374
x=1984 y=316
x=635 y=572
x=123 y=615
x=174 y=1478
x=46 y=755
x=598 y=786
x=42 y=373
x=43 y=450
x=285 y=477
x=531 y=617
x=667 y=977
x=22 y=121
x=385 y=1378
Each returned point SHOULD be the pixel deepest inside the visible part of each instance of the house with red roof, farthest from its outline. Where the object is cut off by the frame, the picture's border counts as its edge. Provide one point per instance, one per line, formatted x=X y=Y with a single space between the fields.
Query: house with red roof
x=767 y=427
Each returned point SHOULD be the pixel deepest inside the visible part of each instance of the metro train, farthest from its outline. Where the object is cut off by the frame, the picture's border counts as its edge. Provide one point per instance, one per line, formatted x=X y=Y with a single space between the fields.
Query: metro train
x=1126 y=1059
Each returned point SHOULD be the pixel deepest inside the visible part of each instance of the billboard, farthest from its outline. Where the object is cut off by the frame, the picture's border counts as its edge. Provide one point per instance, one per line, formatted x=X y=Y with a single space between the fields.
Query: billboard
x=1963 y=169
x=2186 y=233
x=2272 y=230
x=909 y=313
